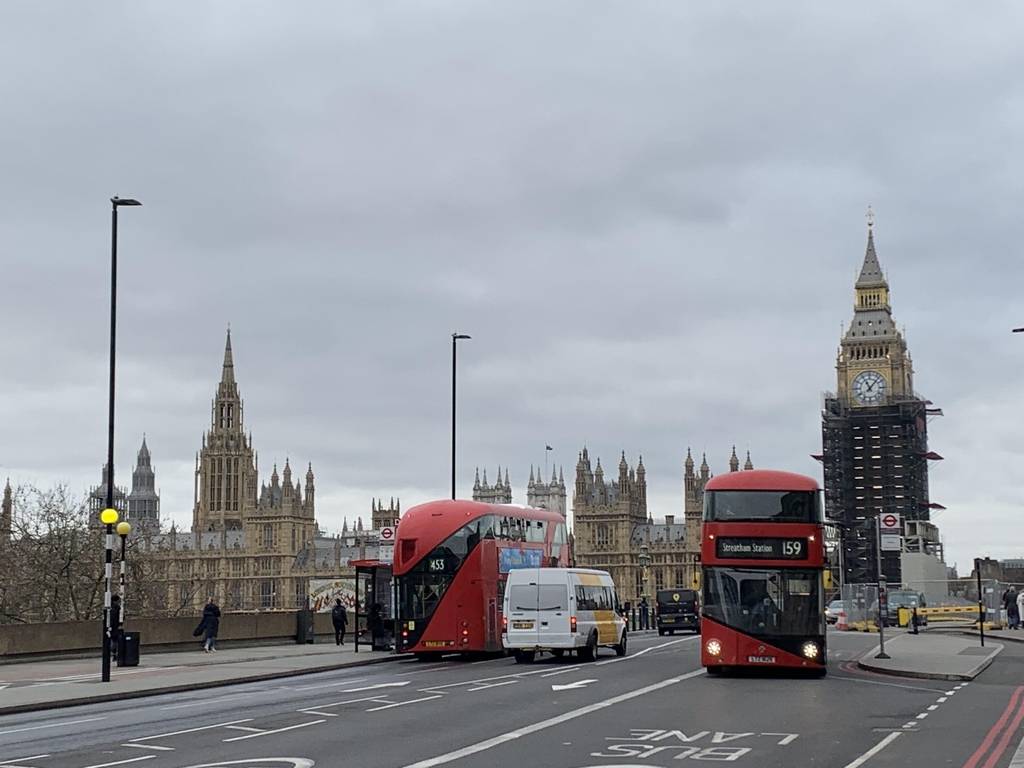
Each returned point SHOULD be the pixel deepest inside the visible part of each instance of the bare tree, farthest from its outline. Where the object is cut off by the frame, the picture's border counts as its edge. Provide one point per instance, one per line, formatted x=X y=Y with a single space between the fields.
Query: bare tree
x=54 y=563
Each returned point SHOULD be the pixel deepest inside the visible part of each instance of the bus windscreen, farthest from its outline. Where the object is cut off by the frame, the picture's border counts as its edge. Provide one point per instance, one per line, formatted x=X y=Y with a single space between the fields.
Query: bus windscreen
x=762 y=506
x=768 y=602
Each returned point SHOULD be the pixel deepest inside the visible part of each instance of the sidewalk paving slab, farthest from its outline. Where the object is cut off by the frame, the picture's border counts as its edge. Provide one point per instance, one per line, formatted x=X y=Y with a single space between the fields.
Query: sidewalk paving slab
x=33 y=686
x=932 y=656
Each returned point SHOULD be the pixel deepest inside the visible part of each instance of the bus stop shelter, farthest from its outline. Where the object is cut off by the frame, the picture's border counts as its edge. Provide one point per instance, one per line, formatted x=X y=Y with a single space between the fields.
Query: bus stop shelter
x=375 y=610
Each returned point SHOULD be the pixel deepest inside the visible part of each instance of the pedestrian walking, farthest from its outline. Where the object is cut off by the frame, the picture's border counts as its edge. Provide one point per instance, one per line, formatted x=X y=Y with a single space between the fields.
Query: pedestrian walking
x=644 y=607
x=1012 y=610
x=339 y=618
x=209 y=625
x=1020 y=607
x=115 y=624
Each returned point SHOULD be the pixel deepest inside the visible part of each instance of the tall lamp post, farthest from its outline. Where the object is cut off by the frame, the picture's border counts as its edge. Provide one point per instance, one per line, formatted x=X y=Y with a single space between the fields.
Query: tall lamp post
x=109 y=515
x=644 y=560
x=455 y=339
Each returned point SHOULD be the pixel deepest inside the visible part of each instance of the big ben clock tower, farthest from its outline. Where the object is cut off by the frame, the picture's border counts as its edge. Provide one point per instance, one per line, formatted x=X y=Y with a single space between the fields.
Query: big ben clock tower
x=874 y=430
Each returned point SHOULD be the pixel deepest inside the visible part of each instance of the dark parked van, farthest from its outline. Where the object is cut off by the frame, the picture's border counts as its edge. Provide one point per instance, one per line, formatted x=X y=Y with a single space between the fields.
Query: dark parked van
x=677 y=609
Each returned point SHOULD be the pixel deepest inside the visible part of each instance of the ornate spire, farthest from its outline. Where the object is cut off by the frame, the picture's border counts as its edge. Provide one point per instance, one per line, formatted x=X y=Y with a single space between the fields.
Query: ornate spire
x=228 y=376
x=748 y=464
x=734 y=461
x=871 y=275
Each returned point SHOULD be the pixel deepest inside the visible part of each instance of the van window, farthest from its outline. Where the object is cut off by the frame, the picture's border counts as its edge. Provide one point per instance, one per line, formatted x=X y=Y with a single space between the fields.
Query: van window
x=590 y=598
x=546 y=597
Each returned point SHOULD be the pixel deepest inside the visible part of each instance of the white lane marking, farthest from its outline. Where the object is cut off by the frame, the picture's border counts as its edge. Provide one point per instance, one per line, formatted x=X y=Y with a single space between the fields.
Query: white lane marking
x=318 y=714
x=1018 y=757
x=942 y=699
x=874 y=750
x=276 y=730
x=122 y=762
x=647 y=650
x=922 y=716
x=375 y=687
x=10 y=763
x=950 y=693
x=880 y=682
x=933 y=707
x=349 y=701
x=330 y=685
x=491 y=685
x=243 y=728
x=403 y=703
x=149 y=746
x=557 y=720
x=192 y=730
x=204 y=702
x=562 y=671
x=439 y=688
x=51 y=725
x=573 y=685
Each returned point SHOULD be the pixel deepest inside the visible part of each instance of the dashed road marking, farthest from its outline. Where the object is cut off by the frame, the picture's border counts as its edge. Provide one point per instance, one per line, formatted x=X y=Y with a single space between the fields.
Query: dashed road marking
x=874 y=750
x=51 y=725
x=192 y=730
x=403 y=703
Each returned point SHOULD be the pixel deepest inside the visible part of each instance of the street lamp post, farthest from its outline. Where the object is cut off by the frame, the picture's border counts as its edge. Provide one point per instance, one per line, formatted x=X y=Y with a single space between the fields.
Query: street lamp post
x=455 y=338
x=644 y=561
x=110 y=519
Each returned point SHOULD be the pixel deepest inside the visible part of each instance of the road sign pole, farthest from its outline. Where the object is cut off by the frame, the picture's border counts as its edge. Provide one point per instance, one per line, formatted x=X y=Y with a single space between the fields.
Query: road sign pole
x=883 y=598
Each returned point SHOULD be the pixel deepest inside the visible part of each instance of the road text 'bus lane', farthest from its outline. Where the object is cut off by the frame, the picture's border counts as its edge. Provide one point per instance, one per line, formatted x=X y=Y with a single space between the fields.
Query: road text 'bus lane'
x=712 y=746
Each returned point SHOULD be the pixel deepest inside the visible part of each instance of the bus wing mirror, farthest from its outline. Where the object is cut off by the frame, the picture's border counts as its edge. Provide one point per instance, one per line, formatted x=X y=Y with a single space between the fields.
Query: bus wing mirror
x=828 y=579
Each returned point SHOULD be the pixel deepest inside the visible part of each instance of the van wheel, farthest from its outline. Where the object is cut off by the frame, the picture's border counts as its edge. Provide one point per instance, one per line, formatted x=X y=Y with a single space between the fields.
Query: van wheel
x=523 y=657
x=661 y=631
x=672 y=632
x=558 y=653
x=620 y=649
x=589 y=651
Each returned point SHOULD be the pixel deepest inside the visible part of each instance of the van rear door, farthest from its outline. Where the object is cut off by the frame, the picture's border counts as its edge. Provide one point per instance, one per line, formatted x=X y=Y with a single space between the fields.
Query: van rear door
x=523 y=619
x=553 y=609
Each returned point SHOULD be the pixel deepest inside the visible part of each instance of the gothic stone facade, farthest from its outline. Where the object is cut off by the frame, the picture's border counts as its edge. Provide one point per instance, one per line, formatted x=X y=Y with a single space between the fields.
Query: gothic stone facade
x=247 y=551
x=611 y=523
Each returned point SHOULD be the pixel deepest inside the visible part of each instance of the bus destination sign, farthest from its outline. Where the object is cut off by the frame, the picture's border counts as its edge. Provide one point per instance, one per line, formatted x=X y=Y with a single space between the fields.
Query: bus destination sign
x=756 y=548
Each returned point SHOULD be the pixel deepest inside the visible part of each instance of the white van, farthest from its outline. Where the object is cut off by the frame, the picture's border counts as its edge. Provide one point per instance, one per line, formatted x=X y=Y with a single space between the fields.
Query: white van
x=559 y=610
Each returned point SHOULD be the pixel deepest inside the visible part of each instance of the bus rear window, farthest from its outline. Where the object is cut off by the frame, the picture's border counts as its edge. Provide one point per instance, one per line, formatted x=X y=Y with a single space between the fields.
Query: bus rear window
x=768 y=506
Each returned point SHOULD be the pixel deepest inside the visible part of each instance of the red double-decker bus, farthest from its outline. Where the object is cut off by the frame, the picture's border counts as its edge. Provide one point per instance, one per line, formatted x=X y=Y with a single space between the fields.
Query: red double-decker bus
x=763 y=559
x=451 y=562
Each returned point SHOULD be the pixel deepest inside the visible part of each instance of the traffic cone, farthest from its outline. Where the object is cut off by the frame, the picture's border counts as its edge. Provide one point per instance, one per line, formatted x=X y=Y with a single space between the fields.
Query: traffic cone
x=841 y=622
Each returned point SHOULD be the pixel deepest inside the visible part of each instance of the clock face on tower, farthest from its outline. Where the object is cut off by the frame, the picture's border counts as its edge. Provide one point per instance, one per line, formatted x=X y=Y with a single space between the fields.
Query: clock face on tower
x=869 y=388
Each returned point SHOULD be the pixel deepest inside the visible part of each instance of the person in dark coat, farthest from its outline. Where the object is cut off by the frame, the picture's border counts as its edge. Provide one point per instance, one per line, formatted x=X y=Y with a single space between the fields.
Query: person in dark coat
x=1012 y=611
x=115 y=624
x=210 y=625
x=339 y=618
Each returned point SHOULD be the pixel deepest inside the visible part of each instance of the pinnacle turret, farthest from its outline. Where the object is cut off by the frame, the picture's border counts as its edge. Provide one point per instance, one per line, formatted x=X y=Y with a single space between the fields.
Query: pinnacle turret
x=228 y=374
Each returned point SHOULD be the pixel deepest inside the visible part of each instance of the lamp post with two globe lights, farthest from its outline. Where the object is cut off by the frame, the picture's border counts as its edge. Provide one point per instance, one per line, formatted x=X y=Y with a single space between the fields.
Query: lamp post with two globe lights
x=109 y=515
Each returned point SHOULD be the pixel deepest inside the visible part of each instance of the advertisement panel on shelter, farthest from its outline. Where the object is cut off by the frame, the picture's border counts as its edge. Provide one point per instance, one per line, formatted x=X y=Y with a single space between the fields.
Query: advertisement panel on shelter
x=510 y=558
x=323 y=593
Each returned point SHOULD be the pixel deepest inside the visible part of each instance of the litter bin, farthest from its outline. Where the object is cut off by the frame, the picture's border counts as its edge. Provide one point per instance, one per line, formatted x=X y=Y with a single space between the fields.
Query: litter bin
x=128 y=649
x=304 y=629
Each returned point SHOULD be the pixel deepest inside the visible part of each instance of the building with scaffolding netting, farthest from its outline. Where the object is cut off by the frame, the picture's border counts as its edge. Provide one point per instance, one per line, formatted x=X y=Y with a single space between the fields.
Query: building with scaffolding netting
x=874 y=434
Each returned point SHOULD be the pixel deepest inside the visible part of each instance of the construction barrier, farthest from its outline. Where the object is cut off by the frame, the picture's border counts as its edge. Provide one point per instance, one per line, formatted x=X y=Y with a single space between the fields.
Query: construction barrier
x=954 y=609
x=841 y=622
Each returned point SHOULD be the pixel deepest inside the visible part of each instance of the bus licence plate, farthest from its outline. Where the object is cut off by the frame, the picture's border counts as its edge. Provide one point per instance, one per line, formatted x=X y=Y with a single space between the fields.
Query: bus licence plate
x=761 y=659
x=435 y=644
x=522 y=625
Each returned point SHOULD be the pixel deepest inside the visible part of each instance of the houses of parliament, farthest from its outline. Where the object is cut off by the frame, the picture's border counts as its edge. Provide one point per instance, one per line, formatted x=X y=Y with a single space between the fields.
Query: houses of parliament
x=251 y=546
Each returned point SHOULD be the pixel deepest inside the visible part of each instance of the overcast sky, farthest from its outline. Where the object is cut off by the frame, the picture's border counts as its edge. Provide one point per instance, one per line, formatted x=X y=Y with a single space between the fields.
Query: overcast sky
x=648 y=216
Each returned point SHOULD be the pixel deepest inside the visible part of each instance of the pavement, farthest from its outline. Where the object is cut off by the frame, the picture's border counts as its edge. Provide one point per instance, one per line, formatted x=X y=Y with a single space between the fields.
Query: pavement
x=39 y=685
x=932 y=655
x=36 y=685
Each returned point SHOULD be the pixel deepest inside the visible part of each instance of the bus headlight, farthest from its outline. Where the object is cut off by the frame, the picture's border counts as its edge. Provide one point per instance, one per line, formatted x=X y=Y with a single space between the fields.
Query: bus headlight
x=810 y=650
x=713 y=647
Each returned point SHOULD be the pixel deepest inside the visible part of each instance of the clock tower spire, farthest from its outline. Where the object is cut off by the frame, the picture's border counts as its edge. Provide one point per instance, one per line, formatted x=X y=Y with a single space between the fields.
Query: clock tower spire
x=873 y=366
